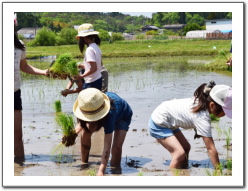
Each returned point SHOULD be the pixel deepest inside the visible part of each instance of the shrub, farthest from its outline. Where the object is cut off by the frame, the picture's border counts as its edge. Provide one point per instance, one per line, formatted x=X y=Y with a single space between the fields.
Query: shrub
x=152 y=32
x=117 y=37
x=67 y=36
x=160 y=37
x=44 y=37
x=140 y=36
x=191 y=27
x=104 y=35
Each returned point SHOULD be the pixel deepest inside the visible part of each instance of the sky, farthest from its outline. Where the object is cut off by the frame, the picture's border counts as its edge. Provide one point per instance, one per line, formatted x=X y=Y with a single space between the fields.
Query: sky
x=146 y=14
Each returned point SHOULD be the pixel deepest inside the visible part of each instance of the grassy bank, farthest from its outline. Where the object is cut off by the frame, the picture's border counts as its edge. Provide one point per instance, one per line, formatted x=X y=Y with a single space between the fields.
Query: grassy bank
x=140 y=52
x=141 y=48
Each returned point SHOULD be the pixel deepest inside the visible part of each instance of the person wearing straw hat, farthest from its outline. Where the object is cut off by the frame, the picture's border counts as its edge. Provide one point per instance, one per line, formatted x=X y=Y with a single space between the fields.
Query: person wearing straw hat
x=92 y=57
x=190 y=113
x=20 y=64
x=95 y=110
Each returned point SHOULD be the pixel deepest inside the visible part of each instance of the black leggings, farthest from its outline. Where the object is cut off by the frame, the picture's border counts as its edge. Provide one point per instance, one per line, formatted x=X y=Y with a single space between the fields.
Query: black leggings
x=18 y=100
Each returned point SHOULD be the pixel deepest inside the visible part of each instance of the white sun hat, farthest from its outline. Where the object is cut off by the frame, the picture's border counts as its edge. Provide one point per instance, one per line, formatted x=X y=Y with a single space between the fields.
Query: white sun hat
x=91 y=105
x=222 y=95
x=86 y=29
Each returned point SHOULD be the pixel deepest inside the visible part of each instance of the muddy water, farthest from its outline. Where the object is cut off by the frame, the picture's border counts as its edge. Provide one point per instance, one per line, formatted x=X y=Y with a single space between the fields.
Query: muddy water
x=144 y=89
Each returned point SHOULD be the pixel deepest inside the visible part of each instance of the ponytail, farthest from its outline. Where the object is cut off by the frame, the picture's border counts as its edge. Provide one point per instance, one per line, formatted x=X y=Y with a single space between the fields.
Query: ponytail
x=201 y=95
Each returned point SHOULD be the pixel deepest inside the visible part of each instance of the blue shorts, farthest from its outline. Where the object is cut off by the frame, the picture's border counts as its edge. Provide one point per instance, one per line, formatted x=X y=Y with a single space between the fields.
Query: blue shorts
x=122 y=125
x=160 y=132
x=96 y=84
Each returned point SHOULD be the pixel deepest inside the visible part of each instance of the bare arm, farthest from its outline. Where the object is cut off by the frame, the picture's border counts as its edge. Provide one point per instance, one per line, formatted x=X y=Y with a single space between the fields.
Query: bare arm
x=25 y=67
x=209 y=142
x=93 y=69
x=105 y=154
x=68 y=88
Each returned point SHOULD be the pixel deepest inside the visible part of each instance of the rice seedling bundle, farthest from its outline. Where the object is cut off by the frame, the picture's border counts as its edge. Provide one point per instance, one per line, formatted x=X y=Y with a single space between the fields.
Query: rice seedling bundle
x=63 y=67
x=67 y=126
x=57 y=106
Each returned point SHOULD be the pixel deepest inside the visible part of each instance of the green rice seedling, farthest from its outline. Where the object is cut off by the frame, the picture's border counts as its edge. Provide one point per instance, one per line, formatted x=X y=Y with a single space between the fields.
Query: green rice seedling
x=215 y=172
x=228 y=164
x=56 y=153
x=176 y=172
x=219 y=131
x=214 y=119
x=91 y=172
x=64 y=65
x=72 y=69
x=57 y=106
x=67 y=126
x=140 y=174
x=228 y=136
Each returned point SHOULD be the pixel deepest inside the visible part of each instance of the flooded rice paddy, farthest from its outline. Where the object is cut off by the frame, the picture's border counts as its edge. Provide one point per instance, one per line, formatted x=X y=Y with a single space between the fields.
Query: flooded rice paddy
x=144 y=86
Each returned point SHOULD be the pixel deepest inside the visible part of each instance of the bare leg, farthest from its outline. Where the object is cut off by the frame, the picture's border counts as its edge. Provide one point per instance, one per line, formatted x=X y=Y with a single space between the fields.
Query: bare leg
x=175 y=148
x=86 y=140
x=85 y=146
x=186 y=146
x=18 y=142
x=116 y=151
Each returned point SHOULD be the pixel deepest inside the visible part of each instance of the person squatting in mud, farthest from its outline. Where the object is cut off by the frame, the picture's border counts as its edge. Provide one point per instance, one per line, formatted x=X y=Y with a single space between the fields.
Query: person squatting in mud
x=95 y=110
x=190 y=113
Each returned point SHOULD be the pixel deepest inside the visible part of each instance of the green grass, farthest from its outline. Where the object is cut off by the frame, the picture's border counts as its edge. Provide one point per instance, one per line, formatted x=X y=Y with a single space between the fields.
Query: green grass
x=142 y=48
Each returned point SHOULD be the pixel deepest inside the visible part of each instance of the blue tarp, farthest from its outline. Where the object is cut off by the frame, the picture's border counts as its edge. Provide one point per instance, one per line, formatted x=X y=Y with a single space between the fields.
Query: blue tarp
x=226 y=31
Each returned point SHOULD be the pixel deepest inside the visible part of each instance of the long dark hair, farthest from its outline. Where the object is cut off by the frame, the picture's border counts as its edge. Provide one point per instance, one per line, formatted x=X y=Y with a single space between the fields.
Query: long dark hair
x=17 y=43
x=202 y=99
x=81 y=43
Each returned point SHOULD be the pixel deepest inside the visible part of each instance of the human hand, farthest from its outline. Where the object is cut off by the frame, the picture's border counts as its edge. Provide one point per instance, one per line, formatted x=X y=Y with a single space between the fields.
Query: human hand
x=47 y=73
x=75 y=78
x=64 y=92
x=99 y=173
x=78 y=128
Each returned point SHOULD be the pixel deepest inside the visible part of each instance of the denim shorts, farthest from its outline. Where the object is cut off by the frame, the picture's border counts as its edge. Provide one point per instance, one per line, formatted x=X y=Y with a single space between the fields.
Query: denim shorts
x=160 y=132
x=17 y=100
x=96 y=84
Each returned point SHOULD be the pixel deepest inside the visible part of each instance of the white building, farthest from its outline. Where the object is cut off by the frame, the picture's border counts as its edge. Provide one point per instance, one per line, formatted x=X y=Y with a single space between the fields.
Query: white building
x=219 y=24
x=219 y=28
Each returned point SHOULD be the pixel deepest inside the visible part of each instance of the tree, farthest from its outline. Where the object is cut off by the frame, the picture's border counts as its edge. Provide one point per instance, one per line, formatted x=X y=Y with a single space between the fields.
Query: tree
x=191 y=27
x=171 y=18
x=211 y=16
x=100 y=24
x=229 y=16
x=197 y=19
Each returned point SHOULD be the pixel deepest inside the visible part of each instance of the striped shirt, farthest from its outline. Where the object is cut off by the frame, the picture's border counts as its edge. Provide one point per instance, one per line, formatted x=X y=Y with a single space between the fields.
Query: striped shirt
x=178 y=113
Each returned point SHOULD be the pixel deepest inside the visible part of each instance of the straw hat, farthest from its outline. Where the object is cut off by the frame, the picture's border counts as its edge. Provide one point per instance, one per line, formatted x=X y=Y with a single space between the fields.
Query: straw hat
x=86 y=29
x=91 y=105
